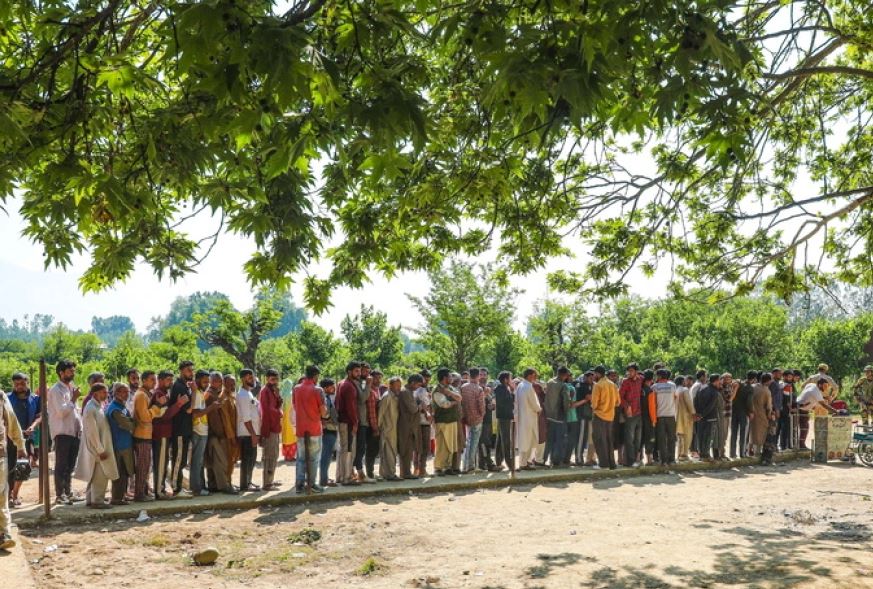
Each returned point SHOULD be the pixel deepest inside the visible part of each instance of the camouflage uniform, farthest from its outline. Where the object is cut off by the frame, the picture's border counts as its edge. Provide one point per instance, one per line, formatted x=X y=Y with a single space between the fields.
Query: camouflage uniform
x=863 y=391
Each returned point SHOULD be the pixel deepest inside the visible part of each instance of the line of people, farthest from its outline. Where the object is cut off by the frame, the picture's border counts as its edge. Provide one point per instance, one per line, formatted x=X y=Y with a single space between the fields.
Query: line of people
x=142 y=435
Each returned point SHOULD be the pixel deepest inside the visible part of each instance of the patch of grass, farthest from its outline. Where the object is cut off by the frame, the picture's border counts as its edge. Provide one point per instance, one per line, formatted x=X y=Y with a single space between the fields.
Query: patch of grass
x=306 y=536
x=371 y=566
x=157 y=541
x=248 y=560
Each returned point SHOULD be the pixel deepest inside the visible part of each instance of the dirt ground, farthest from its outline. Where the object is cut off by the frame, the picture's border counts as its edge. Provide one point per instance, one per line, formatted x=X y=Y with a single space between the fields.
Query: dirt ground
x=794 y=525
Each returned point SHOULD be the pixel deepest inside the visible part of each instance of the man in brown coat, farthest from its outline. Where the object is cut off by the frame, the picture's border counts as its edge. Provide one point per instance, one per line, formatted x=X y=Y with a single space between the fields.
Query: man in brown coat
x=408 y=430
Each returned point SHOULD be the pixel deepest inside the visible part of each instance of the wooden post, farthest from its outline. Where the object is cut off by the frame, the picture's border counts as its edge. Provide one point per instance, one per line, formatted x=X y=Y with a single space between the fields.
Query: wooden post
x=44 y=483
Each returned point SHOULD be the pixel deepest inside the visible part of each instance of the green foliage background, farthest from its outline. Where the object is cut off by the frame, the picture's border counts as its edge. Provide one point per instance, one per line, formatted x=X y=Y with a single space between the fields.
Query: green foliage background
x=466 y=319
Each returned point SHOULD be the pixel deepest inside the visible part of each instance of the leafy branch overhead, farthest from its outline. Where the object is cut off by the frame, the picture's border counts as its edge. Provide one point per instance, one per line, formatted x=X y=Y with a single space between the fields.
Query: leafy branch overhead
x=388 y=135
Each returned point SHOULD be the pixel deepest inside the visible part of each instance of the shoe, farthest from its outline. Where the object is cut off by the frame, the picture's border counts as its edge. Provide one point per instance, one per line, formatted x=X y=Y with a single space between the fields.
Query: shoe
x=317 y=489
x=99 y=506
x=204 y=493
x=350 y=483
x=144 y=499
x=596 y=467
x=6 y=542
x=368 y=480
x=183 y=494
x=439 y=473
x=299 y=490
x=122 y=502
x=76 y=498
x=636 y=464
x=527 y=467
x=164 y=497
x=331 y=484
x=410 y=477
x=495 y=468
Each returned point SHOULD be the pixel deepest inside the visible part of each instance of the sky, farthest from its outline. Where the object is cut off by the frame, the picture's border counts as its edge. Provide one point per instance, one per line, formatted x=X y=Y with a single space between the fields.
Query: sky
x=31 y=289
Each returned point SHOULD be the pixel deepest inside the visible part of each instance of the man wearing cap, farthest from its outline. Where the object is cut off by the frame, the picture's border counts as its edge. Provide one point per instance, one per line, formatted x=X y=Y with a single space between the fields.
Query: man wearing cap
x=863 y=391
x=9 y=430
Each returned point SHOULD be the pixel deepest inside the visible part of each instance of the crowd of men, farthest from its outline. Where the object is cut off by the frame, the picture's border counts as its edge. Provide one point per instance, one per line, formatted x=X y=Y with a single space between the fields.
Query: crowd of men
x=139 y=437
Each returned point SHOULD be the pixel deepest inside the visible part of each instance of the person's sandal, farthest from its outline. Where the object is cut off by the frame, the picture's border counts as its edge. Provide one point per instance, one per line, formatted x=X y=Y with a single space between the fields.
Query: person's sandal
x=6 y=542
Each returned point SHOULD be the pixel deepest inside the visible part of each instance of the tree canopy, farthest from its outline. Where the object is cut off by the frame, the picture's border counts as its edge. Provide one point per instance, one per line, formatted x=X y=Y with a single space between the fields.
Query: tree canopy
x=406 y=131
x=371 y=339
x=110 y=329
x=464 y=311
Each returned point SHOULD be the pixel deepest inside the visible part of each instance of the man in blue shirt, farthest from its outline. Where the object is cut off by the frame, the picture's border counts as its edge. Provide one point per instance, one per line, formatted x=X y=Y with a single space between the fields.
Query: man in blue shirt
x=26 y=406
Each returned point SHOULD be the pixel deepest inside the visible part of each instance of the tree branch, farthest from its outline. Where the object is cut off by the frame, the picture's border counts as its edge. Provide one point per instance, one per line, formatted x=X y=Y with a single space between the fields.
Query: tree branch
x=805 y=72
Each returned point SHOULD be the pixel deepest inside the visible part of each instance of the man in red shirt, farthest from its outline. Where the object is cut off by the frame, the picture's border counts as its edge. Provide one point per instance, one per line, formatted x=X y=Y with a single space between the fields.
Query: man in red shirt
x=309 y=409
x=271 y=427
x=347 y=413
x=630 y=392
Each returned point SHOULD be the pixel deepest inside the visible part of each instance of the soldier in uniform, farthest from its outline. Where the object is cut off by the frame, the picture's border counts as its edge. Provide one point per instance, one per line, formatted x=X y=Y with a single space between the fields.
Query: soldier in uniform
x=863 y=391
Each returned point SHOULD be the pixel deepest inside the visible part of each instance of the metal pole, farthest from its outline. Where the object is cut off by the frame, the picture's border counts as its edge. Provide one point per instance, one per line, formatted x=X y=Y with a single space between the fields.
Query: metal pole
x=44 y=488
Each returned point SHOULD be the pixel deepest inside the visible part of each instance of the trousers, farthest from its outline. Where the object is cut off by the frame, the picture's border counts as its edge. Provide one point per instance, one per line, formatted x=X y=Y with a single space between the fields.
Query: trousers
x=739 y=434
x=248 y=455
x=505 y=453
x=633 y=438
x=66 y=453
x=270 y=457
x=603 y=442
x=328 y=443
x=665 y=432
x=345 y=454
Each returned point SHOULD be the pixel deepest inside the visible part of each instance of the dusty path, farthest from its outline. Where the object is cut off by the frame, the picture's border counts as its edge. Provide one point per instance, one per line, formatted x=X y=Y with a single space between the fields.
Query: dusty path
x=789 y=525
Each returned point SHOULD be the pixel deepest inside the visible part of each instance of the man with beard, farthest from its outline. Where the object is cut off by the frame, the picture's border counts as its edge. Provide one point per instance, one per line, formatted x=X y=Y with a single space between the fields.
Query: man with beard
x=200 y=412
x=425 y=419
x=270 y=401
x=121 y=425
x=27 y=410
x=162 y=431
x=389 y=415
x=408 y=429
x=706 y=407
x=631 y=394
x=248 y=430
x=65 y=426
x=220 y=428
x=446 y=407
x=347 y=414
x=309 y=408
x=362 y=388
x=183 y=427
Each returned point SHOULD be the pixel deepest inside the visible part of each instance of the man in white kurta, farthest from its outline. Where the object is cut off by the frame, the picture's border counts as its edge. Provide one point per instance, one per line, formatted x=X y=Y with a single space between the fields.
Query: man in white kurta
x=96 y=462
x=527 y=408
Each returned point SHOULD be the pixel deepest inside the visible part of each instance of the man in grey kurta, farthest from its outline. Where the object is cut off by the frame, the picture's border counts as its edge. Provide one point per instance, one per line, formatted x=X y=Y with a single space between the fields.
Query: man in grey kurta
x=408 y=430
x=389 y=413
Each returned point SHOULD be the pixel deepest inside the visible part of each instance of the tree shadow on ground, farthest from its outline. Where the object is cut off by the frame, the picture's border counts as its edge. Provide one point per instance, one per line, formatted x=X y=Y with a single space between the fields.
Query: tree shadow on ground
x=780 y=558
